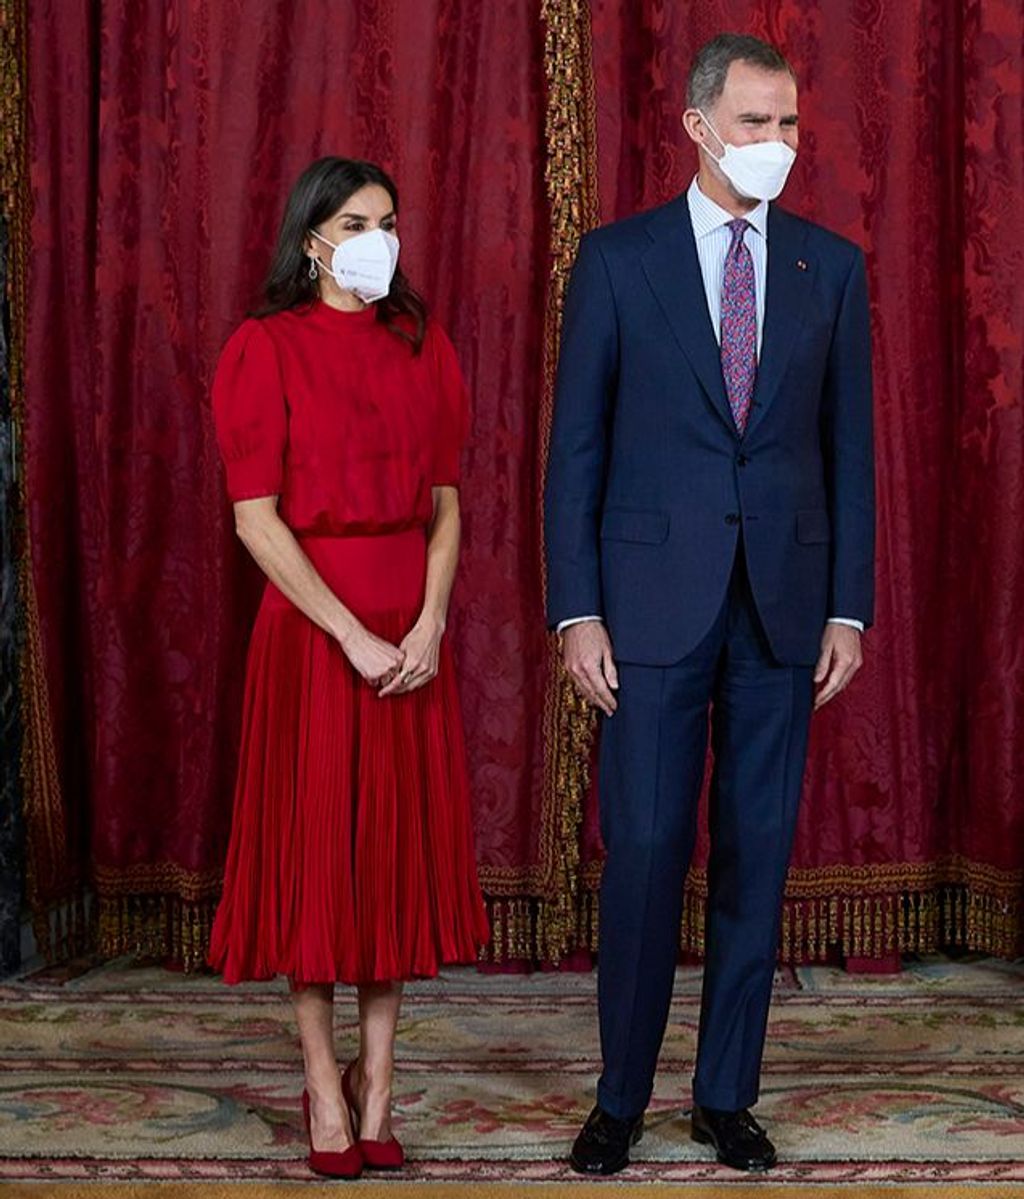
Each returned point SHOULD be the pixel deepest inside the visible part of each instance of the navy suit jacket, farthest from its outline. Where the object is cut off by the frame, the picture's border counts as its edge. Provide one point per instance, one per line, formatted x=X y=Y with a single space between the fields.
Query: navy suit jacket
x=649 y=483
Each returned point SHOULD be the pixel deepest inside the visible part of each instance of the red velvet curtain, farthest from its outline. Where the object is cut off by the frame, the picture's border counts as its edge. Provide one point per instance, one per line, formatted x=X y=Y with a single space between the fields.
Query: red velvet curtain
x=911 y=145
x=163 y=141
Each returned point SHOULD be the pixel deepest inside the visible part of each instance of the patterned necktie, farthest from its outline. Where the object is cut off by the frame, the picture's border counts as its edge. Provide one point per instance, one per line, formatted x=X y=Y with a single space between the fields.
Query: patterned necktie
x=739 y=325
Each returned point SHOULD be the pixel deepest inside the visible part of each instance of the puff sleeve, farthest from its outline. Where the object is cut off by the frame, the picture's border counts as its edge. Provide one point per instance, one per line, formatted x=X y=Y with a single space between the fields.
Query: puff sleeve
x=249 y=413
x=452 y=425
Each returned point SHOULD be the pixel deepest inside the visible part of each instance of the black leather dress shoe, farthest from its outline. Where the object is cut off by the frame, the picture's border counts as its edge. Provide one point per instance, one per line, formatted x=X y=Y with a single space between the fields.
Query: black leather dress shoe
x=738 y=1138
x=604 y=1143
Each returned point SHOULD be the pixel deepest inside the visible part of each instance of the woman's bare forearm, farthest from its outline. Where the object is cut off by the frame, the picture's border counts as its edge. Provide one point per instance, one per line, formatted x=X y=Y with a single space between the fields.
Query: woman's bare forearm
x=282 y=560
x=443 y=538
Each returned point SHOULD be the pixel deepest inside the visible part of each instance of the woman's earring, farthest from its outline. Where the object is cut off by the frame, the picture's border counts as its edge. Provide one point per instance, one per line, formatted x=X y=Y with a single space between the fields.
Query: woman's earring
x=312 y=268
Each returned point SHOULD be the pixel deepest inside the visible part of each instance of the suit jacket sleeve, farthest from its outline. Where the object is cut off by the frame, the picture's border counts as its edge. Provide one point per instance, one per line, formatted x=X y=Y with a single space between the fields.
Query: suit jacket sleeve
x=848 y=443
x=577 y=461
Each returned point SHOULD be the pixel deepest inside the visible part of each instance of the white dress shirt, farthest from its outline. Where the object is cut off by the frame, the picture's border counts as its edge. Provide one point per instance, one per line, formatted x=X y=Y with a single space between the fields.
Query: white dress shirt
x=713 y=238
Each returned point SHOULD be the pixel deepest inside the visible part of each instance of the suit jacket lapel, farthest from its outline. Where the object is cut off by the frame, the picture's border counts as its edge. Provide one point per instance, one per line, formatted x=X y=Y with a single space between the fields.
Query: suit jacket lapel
x=673 y=272
x=790 y=279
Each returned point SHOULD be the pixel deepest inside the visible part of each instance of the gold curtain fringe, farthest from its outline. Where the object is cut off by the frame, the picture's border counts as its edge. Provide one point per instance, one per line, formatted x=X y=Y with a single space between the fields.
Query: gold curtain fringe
x=65 y=929
x=165 y=927
x=539 y=930
x=946 y=916
x=174 y=931
x=159 y=878
x=956 y=916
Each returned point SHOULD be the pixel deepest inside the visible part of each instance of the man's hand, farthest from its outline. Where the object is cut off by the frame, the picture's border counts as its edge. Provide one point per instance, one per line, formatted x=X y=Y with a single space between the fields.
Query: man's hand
x=587 y=653
x=839 y=661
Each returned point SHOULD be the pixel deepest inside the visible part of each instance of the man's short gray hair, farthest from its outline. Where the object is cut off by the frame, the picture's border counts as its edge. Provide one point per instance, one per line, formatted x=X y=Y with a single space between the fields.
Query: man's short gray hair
x=712 y=61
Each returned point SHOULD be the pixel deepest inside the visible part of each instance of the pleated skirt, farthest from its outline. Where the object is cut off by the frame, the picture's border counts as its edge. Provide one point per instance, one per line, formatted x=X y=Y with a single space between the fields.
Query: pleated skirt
x=351 y=856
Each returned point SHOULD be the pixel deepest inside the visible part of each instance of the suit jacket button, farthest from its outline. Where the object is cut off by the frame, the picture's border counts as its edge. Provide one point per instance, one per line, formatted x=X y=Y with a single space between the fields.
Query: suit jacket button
x=742 y=460
x=732 y=519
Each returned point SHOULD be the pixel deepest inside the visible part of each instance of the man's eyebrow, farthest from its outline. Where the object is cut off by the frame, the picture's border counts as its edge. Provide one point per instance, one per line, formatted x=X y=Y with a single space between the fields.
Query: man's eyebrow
x=764 y=117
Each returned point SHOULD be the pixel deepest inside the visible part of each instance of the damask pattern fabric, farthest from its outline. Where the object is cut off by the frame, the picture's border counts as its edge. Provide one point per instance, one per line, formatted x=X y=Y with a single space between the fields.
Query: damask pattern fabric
x=162 y=142
x=11 y=636
x=911 y=777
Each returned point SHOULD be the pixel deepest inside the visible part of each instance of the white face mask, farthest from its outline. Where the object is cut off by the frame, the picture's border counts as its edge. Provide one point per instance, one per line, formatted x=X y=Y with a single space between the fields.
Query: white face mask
x=758 y=171
x=364 y=264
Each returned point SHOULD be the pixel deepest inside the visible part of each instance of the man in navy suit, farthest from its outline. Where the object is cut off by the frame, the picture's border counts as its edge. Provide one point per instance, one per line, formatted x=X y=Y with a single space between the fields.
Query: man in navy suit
x=710 y=540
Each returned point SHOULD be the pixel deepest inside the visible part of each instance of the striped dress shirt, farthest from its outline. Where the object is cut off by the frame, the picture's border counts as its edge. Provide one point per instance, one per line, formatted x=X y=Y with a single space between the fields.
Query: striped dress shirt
x=711 y=233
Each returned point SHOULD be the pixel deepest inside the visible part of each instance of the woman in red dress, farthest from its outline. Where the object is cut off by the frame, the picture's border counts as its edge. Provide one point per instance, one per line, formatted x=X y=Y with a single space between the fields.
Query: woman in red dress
x=340 y=413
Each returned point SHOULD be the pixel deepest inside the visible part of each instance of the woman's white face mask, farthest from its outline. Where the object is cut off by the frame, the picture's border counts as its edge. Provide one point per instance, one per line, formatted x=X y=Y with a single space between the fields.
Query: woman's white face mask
x=364 y=264
x=757 y=171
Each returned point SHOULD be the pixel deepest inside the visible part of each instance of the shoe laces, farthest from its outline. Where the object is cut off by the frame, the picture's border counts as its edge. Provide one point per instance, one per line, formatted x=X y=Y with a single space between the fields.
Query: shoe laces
x=606 y=1128
x=743 y=1122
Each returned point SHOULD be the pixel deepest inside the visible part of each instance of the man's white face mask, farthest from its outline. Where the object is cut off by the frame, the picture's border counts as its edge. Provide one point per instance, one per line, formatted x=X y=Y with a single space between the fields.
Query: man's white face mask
x=758 y=171
x=364 y=264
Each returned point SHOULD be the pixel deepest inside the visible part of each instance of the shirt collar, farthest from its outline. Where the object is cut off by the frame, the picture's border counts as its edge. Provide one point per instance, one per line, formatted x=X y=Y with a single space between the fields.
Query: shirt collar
x=707 y=216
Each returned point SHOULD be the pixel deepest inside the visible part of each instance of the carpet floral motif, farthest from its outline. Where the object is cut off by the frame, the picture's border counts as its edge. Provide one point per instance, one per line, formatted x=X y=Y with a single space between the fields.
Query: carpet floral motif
x=133 y=1072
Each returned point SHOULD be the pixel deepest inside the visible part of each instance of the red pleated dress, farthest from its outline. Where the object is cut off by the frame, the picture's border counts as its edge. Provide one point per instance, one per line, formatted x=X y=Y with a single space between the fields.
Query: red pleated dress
x=351 y=856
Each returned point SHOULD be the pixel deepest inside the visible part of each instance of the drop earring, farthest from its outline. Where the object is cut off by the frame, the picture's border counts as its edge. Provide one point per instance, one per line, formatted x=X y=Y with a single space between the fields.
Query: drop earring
x=312 y=269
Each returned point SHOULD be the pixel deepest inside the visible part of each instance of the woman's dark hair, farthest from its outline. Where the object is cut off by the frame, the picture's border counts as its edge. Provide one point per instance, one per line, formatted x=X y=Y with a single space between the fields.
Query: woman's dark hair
x=319 y=192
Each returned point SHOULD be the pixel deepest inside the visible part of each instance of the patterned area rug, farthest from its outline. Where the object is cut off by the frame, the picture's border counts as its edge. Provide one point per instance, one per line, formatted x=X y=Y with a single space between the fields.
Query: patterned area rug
x=577 y=1189
x=133 y=1073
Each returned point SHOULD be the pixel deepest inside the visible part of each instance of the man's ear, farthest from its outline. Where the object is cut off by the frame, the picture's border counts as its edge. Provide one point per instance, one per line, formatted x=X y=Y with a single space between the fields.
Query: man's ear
x=693 y=124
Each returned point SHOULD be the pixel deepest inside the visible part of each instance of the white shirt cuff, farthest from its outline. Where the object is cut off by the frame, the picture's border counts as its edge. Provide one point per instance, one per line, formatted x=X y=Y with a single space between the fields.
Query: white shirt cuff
x=847 y=620
x=564 y=624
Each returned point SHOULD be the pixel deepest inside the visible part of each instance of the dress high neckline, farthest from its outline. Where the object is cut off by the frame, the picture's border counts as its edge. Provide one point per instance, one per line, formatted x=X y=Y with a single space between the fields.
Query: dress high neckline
x=341 y=318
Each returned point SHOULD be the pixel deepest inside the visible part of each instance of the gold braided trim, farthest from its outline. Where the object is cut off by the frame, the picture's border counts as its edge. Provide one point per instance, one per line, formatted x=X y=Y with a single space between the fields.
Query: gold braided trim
x=165 y=927
x=13 y=59
x=509 y=881
x=568 y=724
x=159 y=878
x=811 y=882
x=871 y=926
x=881 y=879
